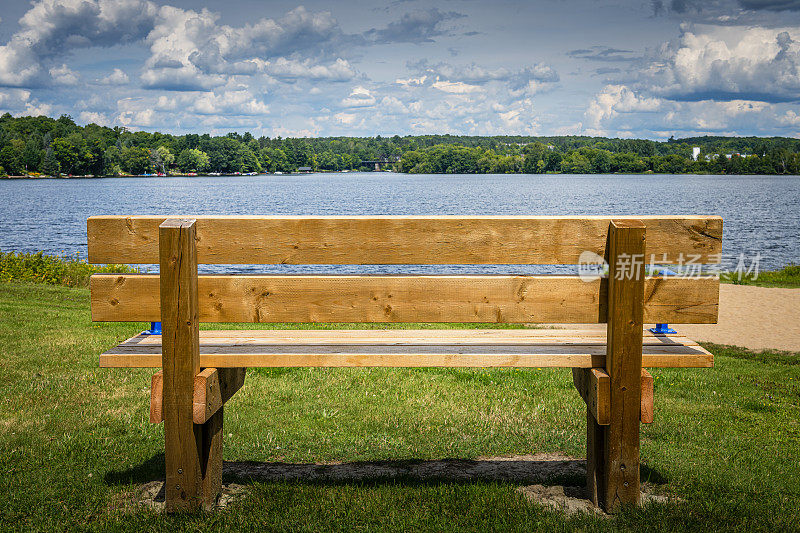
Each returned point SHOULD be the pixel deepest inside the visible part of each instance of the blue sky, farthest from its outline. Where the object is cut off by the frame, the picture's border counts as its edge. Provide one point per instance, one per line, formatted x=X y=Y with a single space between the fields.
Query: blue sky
x=624 y=69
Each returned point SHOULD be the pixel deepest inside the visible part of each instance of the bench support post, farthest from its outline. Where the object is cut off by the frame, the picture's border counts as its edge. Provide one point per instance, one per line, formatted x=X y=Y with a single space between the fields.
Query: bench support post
x=613 y=450
x=193 y=453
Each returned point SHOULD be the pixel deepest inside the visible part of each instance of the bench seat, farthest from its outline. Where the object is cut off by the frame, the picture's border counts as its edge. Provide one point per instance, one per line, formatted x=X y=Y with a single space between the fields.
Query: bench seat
x=409 y=348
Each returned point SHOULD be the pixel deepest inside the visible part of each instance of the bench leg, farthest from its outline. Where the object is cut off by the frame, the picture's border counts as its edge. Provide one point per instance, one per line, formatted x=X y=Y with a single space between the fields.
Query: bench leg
x=212 y=459
x=595 y=459
x=613 y=450
x=192 y=453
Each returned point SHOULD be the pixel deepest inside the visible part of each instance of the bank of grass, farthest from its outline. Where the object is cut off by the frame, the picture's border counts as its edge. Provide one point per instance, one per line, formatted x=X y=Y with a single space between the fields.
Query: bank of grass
x=787 y=277
x=75 y=438
x=70 y=271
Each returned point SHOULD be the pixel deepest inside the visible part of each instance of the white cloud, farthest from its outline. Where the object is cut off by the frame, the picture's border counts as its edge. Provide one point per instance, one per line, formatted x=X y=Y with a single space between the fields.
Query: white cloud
x=728 y=63
x=117 y=77
x=339 y=70
x=615 y=99
x=455 y=87
x=359 y=97
x=229 y=102
x=52 y=28
x=64 y=76
x=89 y=117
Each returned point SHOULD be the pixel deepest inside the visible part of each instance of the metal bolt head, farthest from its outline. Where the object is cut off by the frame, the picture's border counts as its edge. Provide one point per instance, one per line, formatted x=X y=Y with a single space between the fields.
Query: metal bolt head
x=177 y=487
x=180 y=470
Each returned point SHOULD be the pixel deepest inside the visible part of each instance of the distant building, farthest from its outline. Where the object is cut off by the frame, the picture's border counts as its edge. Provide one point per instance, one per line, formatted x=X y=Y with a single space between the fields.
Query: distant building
x=304 y=169
x=695 y=152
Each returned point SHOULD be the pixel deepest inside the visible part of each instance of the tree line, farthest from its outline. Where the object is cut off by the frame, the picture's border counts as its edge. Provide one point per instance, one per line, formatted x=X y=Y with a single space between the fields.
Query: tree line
x=53 y=147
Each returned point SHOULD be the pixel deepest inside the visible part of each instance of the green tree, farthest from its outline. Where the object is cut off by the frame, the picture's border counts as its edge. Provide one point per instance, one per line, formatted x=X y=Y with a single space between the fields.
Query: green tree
x=161 y=159
x=50 y=165
x=193 y=160
x=32 y=155
x=135 y=160
x=112 y=161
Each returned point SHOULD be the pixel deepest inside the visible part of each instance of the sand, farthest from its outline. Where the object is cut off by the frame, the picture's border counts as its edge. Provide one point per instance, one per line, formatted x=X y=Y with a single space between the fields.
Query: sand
x=758 y=318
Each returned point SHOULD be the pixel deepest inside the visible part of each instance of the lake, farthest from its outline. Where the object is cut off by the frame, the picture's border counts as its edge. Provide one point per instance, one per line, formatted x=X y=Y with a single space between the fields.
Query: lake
x=760 y=212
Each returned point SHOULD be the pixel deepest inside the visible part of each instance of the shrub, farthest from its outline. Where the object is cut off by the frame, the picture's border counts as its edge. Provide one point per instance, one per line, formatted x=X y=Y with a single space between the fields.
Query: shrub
x=52 y=270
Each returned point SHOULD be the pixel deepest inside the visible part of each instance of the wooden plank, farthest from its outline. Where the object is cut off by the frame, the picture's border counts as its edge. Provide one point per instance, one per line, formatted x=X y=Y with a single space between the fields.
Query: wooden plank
x=595 y=458
x=578 y=357
x=595 y=388
x=400 y=239
x=183 y=440
x=420 y=337
x=212 y=389
x=647 y=411
x=624 y=363
x=157 y=398
x=211 y=460
x=500 y=299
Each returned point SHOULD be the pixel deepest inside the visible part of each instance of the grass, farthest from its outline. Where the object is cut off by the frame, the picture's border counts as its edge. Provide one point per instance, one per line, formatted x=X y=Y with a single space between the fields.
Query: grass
x=787 y=277
x=75 y=438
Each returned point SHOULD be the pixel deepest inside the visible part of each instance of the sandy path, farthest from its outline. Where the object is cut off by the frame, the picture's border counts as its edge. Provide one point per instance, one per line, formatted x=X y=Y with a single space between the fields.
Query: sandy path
x=758 y=318
x=754 y=317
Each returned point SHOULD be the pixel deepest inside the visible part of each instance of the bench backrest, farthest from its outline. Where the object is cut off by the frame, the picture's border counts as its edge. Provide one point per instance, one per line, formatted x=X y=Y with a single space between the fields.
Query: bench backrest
x=328 y=240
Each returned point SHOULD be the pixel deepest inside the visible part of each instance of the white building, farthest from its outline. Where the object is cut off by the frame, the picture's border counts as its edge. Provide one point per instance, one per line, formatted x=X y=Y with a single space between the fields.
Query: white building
x=695 y=152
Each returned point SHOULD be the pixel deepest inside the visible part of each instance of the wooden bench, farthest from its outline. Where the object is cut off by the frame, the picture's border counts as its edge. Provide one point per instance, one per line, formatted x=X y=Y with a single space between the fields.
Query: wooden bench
x=200 y=370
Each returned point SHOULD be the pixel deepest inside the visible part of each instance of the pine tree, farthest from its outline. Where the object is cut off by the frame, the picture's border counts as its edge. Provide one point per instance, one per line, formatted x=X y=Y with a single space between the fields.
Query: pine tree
x=50 y=165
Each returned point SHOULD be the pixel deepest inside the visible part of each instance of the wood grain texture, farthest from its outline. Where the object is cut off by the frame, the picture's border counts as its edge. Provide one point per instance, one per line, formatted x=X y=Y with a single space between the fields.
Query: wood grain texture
x=157 y=398
x=211 y=460
x=500 y=299
x=399 y=337
x=409 y=348
x=180 y=363
x=212 y=393
x=212 y=389
x=647 y=414
x=399 y=239
x=594 y=386
x=626 y=292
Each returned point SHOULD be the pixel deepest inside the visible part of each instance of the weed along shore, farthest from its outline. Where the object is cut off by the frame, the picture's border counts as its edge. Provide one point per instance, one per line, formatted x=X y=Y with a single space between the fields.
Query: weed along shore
x=77 y=450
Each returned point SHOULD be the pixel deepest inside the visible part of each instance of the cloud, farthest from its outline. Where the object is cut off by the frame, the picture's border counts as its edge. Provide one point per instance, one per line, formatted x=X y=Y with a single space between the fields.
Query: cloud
x=89 y=117
x=771 y=5
x=240 y=102
x=117 y=77
x=615 y=99
x=419 y=26
x=339 y=70
x=53 y=28
x=359 y=97
x=618 y=110
x=603 y=53
x=455 y=87
x=727 y=63
x=476 y=74
x=64 y=76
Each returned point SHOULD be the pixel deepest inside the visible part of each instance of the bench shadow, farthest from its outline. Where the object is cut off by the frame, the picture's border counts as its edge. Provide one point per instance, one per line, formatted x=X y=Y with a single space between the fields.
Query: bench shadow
x=542 y=469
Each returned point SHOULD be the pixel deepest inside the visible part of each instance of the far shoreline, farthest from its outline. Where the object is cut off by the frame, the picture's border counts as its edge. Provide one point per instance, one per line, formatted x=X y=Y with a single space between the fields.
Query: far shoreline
x=221 y=175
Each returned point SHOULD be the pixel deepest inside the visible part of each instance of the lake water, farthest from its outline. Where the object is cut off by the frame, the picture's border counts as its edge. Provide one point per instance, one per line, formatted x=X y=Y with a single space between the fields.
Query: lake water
x=760 y=212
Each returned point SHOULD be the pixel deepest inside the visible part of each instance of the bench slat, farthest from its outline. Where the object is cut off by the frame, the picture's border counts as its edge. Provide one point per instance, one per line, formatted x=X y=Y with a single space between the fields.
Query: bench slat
x=498 y=299
x=400 y=239
x=566 y=351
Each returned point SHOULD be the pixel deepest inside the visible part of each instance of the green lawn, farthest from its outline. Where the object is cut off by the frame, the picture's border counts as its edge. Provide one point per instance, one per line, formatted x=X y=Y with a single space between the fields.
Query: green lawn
x=787 y=277
x=75 y=439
